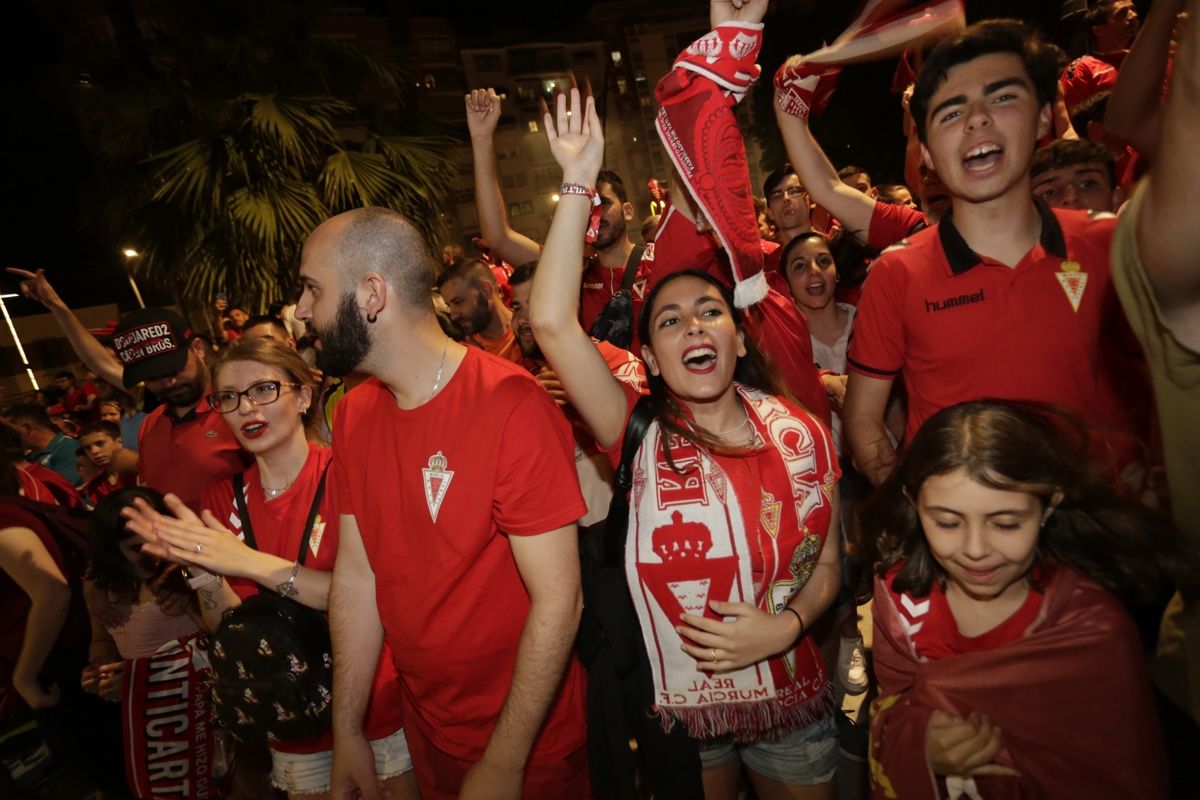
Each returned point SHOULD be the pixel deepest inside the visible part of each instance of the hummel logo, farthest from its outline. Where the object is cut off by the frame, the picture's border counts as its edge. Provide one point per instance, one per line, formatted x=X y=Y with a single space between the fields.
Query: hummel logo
x=954 y=302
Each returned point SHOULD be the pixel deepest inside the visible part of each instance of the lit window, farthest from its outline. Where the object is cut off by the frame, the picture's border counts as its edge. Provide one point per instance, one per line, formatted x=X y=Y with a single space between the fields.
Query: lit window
x=616 y=58
x=533 y=126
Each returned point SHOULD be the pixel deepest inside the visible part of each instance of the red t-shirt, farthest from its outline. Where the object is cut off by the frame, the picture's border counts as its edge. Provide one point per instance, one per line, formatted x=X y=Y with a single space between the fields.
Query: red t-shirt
x=601 y=283
x=101 y=486
x=78 y=396
x=890 y=223
x=184 y=455
x=436 y=492
x=962 y=327
x=44 y=485
x=278 y=528
x=935 y=632
x=505 y=347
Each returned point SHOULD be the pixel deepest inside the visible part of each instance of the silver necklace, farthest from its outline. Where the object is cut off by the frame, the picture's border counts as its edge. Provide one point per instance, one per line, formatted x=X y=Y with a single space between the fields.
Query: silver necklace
x=437 y=382
x=739 y=426
x=271 y=494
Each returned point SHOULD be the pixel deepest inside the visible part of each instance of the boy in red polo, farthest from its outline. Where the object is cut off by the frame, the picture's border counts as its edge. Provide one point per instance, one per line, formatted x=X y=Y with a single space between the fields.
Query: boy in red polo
x=1004 y=298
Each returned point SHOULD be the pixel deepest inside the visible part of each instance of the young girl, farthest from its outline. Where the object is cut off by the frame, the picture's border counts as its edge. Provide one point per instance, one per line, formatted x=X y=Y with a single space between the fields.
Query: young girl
x=130 y=664
x=1007 y=666
x=732 y=546
x=265 y=389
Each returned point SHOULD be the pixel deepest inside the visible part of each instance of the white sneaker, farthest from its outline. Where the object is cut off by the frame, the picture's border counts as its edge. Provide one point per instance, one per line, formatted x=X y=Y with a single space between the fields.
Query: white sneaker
x=852 y=665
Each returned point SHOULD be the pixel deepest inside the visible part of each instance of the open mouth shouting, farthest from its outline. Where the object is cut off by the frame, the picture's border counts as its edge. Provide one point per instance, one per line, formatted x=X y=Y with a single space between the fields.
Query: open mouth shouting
x=983 y=157
x=700 y=359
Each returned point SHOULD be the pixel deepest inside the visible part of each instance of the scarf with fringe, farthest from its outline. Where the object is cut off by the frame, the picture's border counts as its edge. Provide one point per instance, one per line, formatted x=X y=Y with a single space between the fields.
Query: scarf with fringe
x=693 y=538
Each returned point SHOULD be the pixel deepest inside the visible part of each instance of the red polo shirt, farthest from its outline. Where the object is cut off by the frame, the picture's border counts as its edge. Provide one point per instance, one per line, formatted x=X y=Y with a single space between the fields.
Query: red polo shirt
x=890 y=223
x=958 y=326
x=185 y=454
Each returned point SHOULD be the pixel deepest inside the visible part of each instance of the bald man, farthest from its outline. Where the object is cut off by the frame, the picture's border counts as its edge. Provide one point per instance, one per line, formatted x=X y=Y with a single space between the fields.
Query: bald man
x=458 y=501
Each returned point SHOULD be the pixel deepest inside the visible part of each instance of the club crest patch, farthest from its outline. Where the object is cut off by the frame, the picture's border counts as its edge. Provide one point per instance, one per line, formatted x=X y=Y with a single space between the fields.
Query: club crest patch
x=314 y=540
x=437 y=481
x=1073 y=281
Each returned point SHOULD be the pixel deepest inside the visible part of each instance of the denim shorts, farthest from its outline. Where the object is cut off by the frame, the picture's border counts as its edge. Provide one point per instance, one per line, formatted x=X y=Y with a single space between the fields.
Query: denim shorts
x=802 y=758
x=308 y=773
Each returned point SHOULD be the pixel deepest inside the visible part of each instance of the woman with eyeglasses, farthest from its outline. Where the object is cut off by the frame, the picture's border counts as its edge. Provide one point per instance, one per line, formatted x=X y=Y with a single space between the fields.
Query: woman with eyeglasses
x=264 y=390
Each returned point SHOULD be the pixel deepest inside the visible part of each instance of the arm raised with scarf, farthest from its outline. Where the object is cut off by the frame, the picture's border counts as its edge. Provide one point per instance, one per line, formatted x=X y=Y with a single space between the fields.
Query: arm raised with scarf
x=577 y=142
x=753 y=635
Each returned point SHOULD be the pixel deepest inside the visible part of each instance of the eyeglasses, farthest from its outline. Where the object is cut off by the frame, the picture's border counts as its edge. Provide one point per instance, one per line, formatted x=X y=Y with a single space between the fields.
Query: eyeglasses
x=262 y=393
x=791 y=193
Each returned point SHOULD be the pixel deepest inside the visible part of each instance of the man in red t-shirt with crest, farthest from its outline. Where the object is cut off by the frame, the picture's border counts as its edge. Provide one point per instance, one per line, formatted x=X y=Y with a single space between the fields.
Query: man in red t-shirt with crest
x=458 y=505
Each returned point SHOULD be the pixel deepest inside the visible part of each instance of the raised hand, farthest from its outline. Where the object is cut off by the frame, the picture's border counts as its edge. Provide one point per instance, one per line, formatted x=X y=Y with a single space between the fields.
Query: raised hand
x=189 y=539
x=483 y=112
x=722 y=11
x=35 y=286
x=576 y=138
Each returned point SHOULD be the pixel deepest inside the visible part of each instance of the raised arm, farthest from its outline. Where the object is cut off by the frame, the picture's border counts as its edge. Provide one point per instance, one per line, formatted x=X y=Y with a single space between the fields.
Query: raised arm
x=820 y=179
x=98 y=358
x=483 y=113
x=578 y=145
x=1134 y=112
x=1167 y=235
x=27 y=561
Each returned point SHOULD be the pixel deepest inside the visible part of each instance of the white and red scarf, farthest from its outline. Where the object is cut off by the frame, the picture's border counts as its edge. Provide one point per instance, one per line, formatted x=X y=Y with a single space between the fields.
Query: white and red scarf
x=171 y=745
x=691 y=534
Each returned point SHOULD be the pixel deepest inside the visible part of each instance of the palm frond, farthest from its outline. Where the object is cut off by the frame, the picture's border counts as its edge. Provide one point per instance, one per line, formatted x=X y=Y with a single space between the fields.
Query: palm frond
x=299 y=127
x=191 y=174
x=350 y=179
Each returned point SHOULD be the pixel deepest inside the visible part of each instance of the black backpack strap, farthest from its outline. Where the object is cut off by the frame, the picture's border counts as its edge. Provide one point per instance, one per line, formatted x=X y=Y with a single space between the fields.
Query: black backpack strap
x=631 y=268
x=239 y=499
x=312 y=514
x=618 y=509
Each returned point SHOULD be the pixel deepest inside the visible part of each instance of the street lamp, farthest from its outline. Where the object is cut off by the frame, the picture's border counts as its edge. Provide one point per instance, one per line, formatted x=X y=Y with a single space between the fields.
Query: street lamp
x=131 y=254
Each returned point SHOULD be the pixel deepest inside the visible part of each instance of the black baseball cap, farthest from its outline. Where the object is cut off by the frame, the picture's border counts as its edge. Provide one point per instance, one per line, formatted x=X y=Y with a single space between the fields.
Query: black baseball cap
x=151 y=343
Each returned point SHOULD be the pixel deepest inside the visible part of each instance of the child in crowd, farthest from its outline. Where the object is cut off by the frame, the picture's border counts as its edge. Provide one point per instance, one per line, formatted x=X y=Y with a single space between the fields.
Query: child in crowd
x=115 y=466
x=1007 y=666
x=158 y=652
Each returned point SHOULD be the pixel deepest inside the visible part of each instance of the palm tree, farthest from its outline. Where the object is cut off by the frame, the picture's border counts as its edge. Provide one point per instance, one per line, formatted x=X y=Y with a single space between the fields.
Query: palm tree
x=225 y=131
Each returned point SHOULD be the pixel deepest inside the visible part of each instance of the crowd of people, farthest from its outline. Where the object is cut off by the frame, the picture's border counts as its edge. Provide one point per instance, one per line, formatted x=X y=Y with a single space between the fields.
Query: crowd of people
x=400 y=538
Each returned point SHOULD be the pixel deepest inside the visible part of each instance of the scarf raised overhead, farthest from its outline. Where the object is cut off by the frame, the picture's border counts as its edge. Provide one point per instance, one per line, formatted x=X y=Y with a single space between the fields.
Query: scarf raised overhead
x=692 y=539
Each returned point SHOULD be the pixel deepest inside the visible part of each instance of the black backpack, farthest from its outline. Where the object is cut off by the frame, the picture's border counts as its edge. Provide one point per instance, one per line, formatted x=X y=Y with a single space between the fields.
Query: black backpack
x=620 y=687
x=272 y=658
x=614 y=323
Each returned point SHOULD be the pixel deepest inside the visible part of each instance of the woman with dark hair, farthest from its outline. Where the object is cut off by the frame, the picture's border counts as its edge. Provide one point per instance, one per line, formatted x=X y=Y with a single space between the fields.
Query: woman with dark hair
x=150 y=655
x=264 y=389
x=1007 y=665
x=732 y=547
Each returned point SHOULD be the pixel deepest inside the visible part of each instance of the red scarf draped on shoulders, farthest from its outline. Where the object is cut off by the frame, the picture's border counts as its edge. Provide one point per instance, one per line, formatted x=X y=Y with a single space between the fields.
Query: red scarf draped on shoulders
x=1071 y=697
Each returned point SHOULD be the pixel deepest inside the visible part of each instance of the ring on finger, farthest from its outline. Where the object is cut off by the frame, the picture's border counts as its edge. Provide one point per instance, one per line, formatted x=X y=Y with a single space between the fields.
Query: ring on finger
x=714 y=654
x=199 y=548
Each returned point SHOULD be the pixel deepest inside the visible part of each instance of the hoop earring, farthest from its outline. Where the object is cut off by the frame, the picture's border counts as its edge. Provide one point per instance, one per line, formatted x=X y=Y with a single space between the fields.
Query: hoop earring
x=371 y=318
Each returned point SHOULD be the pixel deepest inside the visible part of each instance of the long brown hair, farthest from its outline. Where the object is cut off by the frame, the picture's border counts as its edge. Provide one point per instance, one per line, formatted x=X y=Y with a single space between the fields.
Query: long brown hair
x=1025 y=447
x=752 y=369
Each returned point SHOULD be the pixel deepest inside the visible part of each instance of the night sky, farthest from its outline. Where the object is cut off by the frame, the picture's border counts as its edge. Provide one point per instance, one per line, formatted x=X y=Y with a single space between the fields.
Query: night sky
x=44 y=157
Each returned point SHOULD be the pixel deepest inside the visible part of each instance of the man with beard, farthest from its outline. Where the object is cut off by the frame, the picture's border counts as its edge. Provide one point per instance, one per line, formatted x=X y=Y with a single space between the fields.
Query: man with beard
x=183 y=445
x=591 y=461
x=473 y=297
x=613 y=252
x=458 y=542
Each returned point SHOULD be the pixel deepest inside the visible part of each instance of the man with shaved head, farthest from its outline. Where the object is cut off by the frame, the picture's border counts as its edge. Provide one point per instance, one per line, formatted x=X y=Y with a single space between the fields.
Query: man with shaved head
x=457 y=496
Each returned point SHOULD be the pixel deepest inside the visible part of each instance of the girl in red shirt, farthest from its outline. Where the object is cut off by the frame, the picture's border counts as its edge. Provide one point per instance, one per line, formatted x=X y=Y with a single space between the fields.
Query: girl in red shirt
x=265 y=389
x=1000 y=555
x=732 y=546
